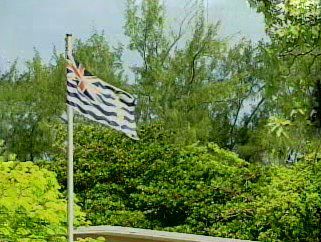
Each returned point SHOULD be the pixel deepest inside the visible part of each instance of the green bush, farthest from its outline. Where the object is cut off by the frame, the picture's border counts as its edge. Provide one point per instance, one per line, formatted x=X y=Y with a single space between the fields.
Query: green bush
x=195 y=189
x=31 y=206
x=149 y=183
x=288 y=208
x=283 y=204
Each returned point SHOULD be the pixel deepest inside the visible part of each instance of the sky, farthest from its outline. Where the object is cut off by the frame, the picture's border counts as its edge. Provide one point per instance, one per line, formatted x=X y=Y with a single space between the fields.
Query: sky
x=42 y=24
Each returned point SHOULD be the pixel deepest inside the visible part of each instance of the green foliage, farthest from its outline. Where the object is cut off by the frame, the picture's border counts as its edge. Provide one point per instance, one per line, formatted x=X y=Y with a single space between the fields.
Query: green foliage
x=185 y=79
x=100 y=59
x=189 y=80
x=28 y=102
x=288 y=207
x=31 y=100
x=152 y=184
x=282 y=205
x=193 y=189
x=171 y=79
x=291 y=75
x=192 y=90
x=106 y=191
x=31 y=206
x=294 y=22
x=293 y=55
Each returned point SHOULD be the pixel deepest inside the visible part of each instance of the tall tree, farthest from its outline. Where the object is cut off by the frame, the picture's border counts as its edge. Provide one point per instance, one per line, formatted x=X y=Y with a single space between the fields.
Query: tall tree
x=292 y=74
x=30 y=101
x=185 y=79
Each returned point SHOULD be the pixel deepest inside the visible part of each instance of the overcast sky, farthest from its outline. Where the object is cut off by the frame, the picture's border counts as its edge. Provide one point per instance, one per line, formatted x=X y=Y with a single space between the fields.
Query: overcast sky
x=42 y=24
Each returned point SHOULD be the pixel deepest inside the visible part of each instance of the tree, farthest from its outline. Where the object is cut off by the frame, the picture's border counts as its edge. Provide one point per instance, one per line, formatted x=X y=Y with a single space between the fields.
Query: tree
x=292 y=73
x=172 y=84
x=31 y=100
x=294 y=24
x=186 y=80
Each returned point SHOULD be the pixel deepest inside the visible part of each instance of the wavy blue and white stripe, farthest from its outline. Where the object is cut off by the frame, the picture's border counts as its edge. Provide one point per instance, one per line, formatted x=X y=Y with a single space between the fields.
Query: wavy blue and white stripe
x=110 y=106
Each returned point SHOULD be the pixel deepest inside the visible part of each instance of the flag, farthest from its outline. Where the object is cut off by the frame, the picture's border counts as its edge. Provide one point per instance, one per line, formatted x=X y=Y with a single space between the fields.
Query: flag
x=99 y=101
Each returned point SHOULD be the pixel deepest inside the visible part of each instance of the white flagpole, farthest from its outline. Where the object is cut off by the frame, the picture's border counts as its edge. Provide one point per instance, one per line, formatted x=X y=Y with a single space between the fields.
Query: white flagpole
x=70 y=179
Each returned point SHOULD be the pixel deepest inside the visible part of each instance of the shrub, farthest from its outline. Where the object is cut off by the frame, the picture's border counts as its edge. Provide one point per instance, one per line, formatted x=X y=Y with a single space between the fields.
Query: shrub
x=194 y=189
x=31 y=207
x=288 y=207
x=149 y=183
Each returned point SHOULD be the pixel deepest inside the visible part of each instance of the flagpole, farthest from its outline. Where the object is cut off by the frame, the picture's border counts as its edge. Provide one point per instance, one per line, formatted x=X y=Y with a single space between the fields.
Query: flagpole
x=70 y=179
